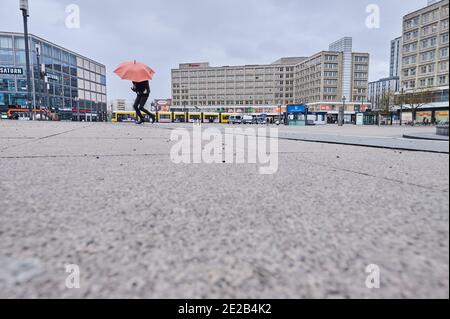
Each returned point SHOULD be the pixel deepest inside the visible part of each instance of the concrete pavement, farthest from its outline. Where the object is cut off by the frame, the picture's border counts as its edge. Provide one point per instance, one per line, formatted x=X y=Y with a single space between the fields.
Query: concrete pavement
x=107 y=198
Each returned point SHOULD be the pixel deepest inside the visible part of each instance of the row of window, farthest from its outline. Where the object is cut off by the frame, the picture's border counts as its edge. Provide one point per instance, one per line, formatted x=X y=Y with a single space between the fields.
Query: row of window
x=7 y=43
x=426 y=56
x=413 y=35
x=427 y=43
x=48 y=51
x=230 y=72
x=426 y=17
x=426 y=82
x=364 y=59
x=425 y=69
x=233 y=103
x=18 y=59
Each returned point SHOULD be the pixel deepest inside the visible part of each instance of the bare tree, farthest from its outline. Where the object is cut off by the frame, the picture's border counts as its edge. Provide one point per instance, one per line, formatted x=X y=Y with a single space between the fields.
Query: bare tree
x=417 y=98
x=385 y=103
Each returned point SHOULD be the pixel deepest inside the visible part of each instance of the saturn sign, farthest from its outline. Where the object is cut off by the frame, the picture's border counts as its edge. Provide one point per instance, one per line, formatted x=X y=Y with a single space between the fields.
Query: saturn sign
x=11 y=71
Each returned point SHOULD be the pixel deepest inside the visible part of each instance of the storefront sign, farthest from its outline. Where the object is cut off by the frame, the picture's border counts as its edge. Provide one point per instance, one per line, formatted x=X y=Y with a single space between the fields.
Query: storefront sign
x=163 y=105
x=11 y=71
x=52 y=77
x=301 y=108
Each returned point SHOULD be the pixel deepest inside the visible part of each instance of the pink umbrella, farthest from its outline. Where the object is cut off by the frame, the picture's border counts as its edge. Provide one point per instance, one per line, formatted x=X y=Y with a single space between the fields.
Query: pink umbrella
x=135 y=71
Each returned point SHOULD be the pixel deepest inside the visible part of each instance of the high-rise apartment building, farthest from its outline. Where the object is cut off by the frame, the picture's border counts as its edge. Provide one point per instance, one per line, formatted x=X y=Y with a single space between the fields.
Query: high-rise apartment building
x=394 y=68
x=345 y=45
x=385 y=87
x=425 y=50
x=320 y=80
x=381 y=90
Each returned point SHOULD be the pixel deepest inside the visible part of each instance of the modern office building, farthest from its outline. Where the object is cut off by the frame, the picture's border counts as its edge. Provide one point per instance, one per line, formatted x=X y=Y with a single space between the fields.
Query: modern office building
x=425 y=51
x=382 y=90
x=379 y=90
x=74 y=87
x=345 y=45
x=320 y=80
x=395 y=62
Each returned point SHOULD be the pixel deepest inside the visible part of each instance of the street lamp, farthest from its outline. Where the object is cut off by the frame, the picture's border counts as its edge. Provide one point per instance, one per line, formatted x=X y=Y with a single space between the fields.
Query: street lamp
x=279 y=113
x=342 y=112
x=25 y=10
x=306 y=111
x=184 y=110
x=77 y=102
x=401 y=106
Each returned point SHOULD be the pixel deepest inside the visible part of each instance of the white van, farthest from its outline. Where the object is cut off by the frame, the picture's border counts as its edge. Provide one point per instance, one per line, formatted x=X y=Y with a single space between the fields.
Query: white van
x=235 y=119
x=247 y=119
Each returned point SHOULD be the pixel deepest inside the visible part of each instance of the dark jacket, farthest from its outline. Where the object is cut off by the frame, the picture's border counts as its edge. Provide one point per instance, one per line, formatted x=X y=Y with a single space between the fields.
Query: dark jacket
x=141 y=88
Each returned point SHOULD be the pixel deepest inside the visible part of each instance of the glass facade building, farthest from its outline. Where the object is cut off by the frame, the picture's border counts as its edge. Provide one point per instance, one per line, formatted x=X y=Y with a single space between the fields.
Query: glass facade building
x=76 y=88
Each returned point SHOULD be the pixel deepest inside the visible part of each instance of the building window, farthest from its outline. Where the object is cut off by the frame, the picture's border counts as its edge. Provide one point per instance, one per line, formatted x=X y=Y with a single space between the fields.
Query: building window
x=19 y=43
x=5 y=42
x=7 y=85
x=6 y=57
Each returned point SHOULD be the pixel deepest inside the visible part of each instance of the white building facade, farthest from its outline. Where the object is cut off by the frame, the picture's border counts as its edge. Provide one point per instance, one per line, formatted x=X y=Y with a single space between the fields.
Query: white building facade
x=320 y=80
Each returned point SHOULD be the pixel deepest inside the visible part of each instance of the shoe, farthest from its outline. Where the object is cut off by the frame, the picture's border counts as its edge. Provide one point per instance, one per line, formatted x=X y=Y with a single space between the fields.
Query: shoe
x=139 y=122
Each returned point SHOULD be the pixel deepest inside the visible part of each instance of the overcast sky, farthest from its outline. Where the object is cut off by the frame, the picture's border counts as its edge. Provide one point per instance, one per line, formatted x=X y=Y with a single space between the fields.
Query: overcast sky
x=164 y=33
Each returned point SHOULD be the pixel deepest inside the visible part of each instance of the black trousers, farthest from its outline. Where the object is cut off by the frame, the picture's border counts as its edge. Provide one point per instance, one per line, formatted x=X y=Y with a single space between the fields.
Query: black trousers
x=139 y=104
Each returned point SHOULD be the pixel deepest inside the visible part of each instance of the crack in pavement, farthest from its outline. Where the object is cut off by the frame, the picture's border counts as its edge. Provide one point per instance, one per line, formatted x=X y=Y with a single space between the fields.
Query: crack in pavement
x=31 y=140
x=328 y=167
x=377 y=177
x=79 y=156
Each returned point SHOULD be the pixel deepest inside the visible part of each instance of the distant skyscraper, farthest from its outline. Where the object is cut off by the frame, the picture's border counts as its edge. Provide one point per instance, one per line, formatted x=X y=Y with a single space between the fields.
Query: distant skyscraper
x=345 y=45
x=394 y=70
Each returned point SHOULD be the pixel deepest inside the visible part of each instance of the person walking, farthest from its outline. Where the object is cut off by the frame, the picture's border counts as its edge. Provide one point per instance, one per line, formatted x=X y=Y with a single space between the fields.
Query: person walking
x=142 y=90
x=139 y=73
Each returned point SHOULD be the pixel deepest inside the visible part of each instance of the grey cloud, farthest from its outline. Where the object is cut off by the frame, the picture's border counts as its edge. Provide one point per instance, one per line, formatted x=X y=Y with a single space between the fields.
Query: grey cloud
x=226 y=32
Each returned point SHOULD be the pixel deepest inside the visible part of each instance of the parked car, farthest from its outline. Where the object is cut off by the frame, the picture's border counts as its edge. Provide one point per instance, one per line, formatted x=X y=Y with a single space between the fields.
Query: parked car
x=261 y=120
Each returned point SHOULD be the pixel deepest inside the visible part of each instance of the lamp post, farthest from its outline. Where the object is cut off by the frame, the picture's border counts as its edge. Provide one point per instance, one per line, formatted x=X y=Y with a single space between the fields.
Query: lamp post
x=306 y=111
x=342 y=112
x=77 y=102
x=361 y=110
x=184 y=110
x=279 y=114
x=24 y=9
x=401 y=106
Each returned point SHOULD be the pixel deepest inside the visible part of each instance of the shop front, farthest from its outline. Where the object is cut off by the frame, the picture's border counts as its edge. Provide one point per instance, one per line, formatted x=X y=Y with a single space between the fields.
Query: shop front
x=441 y=117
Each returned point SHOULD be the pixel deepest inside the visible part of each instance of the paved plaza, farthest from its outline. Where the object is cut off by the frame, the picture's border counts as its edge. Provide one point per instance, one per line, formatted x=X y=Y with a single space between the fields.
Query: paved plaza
x=108 y=198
